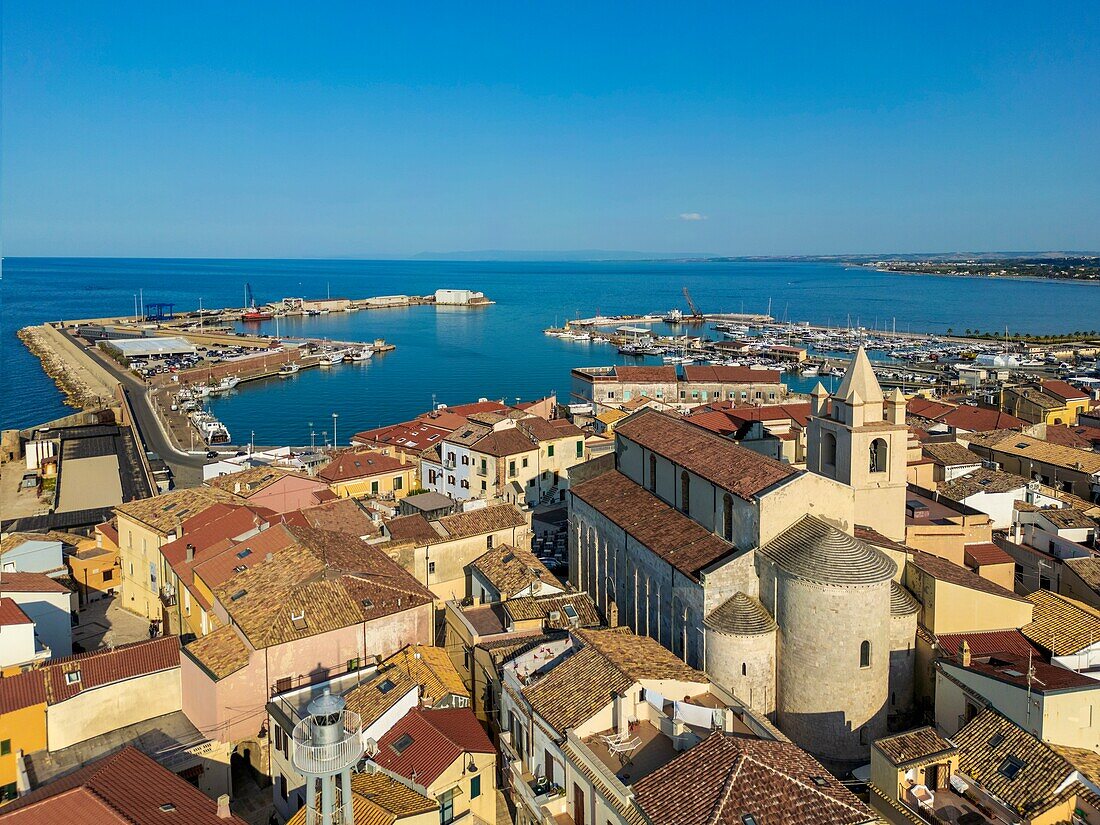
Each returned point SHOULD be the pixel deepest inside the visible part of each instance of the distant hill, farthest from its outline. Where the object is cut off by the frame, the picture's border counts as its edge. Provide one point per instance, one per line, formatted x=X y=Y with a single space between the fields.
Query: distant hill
x=566 y=255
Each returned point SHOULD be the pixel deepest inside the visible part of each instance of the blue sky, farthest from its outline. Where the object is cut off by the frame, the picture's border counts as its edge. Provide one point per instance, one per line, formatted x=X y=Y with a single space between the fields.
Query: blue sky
x=327 y=129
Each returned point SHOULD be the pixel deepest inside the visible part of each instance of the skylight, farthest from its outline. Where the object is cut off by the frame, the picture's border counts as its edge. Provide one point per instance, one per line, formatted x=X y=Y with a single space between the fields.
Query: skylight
x=1011 y=767
x=244 y=553
x=240 y=594
x=401 y=744
x=386 y=685
x=570 y=612
x=996 y=739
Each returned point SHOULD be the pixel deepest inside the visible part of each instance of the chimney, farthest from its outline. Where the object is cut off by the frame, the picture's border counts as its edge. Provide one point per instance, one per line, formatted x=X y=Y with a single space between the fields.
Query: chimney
x=223 y=807
x=964 y=654
x=190 y=552
x=236 y=486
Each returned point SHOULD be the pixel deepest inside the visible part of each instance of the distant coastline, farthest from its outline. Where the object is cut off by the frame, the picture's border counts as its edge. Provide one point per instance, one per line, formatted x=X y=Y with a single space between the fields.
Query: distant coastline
x=1076 y=270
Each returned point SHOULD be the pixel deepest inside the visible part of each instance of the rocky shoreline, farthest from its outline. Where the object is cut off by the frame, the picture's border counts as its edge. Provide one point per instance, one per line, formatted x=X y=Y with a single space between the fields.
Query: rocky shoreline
x=77 y=393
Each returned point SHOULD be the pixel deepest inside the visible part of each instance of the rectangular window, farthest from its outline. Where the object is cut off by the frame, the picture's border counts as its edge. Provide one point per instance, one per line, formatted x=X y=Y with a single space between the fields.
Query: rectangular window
x=5 y=747
x=374 y=488
x=475 y=787
x=489 y=541
x=397 y=483
x=8 y=792
x=580 y=449
x=511 y=468
x=431 y=567
x=447 y=807
x=550 y=451
x=523 y=463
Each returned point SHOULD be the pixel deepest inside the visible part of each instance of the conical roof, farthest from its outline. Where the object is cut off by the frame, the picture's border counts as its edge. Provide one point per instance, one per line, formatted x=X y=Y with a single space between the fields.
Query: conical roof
x=860 y=381
x=740 y=615
x=902 y=602
x=815 y=550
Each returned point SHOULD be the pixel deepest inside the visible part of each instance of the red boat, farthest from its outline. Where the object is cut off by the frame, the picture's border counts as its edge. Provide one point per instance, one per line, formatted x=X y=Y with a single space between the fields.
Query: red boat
x=254 y=314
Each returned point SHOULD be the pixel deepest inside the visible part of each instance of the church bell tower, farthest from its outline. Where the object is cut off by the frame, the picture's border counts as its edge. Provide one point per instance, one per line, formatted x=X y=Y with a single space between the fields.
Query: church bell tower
x=859 y=438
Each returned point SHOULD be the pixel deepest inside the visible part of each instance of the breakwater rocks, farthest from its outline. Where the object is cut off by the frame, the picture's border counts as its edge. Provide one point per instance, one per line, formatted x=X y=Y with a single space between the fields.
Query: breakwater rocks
x=78 y=391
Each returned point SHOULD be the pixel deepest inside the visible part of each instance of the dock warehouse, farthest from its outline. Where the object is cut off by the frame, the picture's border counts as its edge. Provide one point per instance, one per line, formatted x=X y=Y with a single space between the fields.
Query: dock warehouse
x=151 y=347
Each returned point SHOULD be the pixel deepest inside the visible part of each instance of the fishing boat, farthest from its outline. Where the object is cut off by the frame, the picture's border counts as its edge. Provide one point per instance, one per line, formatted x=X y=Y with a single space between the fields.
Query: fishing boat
x=287 y=370
x=330 y=357
x=363 y=354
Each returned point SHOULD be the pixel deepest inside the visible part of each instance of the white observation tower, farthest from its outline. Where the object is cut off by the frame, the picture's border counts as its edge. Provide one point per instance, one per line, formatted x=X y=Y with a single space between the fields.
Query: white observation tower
x=327 y=746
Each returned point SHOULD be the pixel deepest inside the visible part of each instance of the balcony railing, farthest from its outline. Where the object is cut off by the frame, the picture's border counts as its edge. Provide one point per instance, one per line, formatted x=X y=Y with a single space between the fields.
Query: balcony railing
x=313 y=758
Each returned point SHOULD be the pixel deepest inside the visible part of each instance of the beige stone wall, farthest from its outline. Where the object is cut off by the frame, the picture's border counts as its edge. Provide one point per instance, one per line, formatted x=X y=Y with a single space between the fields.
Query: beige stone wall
x=808 y=494
x=903 y=662
x=744 y=665
x=104 y=709
x=139 y=547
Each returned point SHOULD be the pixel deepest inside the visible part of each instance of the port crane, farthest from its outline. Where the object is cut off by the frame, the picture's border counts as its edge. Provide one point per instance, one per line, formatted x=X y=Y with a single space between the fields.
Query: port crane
x=695 y=313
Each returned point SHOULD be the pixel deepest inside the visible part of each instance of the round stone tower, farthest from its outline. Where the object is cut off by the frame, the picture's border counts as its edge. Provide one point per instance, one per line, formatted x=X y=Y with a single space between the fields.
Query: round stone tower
x=830 y=596
x=903 y=654
x=740 y=646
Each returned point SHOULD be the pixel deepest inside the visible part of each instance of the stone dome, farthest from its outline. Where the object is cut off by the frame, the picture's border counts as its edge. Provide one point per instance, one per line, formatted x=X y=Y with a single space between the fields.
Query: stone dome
x=815 y=550
x=740 y=615
x=902 y=602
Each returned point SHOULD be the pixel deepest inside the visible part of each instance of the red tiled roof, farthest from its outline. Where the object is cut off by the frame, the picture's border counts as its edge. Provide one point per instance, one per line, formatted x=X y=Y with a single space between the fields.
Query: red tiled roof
x=677 y=539
x=11 y=582
x=978 y=555
x=23 y=690
x=410 y=435
x=1083 y=438
x=439 y=737
x=211 y=532
x=987 y=643
x=215 y=568
x=1012 y=668
x=1064 y=391
x=944 y=570
x=360 y=464
x=476 y=407
x=980 y=420
x=730 y=375
x=109 y=531
x=719 y=460
x=11 y=614
x=926 y=408
x=646 y=375
x=127 y=788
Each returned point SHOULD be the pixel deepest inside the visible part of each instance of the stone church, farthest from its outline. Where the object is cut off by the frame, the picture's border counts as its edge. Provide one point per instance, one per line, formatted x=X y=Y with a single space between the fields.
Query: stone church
x=782 y=584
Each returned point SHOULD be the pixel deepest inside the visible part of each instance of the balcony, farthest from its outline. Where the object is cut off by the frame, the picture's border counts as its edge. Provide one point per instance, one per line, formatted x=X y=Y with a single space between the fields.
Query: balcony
x=541 y=797
x=168 y=597
x=313 y=758
x=963 y=802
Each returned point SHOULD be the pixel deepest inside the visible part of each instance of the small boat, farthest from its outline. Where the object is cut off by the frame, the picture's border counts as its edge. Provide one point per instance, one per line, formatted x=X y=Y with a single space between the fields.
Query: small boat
x=253 y=314
x=363 y=354
x=810 y=372
x=332 y=357
x=287 y=370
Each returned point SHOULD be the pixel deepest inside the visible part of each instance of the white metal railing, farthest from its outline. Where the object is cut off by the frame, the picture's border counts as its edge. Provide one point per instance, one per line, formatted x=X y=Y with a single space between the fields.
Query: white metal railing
x=311 y=757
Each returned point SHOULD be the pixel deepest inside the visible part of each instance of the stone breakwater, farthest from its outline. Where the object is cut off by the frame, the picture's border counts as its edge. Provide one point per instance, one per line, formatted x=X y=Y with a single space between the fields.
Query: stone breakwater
x=81 y=389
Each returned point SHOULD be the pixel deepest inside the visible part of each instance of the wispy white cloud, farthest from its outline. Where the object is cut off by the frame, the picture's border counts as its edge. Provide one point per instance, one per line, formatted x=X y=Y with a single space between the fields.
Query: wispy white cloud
x=692 y=216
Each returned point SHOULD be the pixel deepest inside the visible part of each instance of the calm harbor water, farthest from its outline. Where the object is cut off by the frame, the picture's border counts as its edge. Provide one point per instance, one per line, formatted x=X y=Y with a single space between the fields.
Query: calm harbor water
x=455 y=355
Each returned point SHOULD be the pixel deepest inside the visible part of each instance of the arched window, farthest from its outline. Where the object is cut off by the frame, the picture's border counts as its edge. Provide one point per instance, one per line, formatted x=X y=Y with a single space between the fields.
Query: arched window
x=828 y=449
x=685 y=492
x=727 y=517
x=865 y=654
x=744 y=669
x=652 y=472
x=878 y=456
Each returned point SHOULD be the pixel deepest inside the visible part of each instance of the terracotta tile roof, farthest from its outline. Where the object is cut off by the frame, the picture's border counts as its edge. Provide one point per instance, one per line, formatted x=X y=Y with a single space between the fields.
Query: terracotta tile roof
x=1017 y=444
x=982 y=480
x=979 y=555
x=980 y=419
x=507 y=442
x=541 y=430
x=1085 y=760
x=431 y=668
x=576 y=689
x=551 y=610
x=1063 y=390
x=342 y=515
x=11 y=614
x=726 y=778
x=484 y=520
x=646 y=375
x=1088 y=570
x=718 y=374
x=23 y=690
x=609 y=661
x=381 y=691
x=950 y=454
x=872 y=536
x=355 y=464
x=127 y=788
x=1068 y=518
x=914 y=746
x=926 y=408
x=1062 y=625
x=1083 y=438
x=221 y=652
x=322 y=583
x=947 y=571
x=226 y=560
x=670 y=534
x=439 y=737
x=164 y=512
x=12 y=582
x=378 y=799
x=411 y=435
x=510 y=569
x=988 y=741
x=987 y=643
x=415 y=529
x=740 y=471
x=247 y=483
x=1012 y=668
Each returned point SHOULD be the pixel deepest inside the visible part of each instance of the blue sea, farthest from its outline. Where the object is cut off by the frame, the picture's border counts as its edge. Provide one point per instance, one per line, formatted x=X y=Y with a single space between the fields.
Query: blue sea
x=455 y=355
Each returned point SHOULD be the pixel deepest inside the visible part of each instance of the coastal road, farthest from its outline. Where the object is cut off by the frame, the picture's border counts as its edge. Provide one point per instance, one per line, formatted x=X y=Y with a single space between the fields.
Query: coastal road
x=186 y=468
